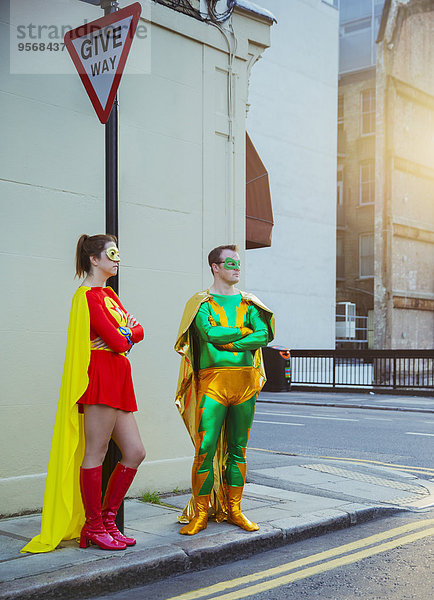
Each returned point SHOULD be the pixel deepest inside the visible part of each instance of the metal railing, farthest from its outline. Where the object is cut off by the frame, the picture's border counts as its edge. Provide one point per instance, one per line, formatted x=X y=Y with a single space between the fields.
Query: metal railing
x=388 y=369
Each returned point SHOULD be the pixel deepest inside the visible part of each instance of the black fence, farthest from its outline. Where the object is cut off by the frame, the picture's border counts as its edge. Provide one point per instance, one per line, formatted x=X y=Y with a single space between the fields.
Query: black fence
x=388 y=369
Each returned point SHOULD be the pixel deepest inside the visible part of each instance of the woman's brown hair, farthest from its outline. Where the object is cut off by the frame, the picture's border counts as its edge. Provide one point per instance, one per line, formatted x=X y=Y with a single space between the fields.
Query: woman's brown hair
x=88 y=246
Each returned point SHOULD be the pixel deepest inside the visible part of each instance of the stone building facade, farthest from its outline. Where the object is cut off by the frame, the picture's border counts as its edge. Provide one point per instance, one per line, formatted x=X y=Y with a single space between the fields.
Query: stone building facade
x=404 y=210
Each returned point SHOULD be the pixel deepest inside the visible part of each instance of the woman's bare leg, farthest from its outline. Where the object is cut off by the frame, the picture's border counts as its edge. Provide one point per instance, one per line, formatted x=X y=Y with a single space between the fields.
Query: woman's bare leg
x=99 y=421
x=127 y=437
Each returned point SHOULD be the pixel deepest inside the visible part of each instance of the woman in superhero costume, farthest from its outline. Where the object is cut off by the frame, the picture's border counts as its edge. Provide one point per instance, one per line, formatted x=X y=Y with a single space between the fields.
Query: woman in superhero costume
x=96 y=403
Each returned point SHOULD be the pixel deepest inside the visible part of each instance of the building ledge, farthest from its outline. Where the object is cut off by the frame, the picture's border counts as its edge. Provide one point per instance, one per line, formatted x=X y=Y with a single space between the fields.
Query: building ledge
x=422 y=233
x=413 y=301
x=410 y=294
x=357 y=75
x=255 y=9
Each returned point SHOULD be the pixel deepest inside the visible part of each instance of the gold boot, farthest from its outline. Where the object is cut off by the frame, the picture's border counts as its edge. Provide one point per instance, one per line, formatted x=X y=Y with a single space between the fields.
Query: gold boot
x=235 y=516
x=200 y=519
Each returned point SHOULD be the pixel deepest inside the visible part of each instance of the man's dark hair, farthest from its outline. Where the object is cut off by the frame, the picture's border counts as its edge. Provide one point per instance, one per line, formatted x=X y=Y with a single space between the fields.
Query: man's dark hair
x=215 y=254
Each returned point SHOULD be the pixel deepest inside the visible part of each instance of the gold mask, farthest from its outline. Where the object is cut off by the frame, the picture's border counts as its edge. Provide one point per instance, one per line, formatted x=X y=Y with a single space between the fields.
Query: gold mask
x=113 y=254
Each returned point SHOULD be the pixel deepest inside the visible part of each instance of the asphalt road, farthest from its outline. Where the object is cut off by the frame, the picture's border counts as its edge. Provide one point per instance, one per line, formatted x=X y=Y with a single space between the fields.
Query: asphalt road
x=391 y=558
x=395 y=564
x=404 y=438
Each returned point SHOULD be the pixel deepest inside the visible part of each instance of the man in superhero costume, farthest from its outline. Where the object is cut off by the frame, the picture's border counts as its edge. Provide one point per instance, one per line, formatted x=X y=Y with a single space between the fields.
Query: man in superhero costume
x=220 y=339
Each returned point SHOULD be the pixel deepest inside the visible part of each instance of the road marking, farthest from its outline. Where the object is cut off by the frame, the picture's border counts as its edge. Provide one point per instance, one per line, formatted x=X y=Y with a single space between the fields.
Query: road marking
x=281 y=423
x=377 y=462
x=376 y=419
x=405 y=468
x=276 y=452
x=417 y=433
x=314 y=558
x=327 y=566
x=416 y=470
x=305 y=416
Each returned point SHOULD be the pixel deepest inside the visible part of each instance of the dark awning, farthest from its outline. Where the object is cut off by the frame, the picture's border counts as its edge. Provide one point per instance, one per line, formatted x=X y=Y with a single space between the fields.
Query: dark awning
x=259 y=212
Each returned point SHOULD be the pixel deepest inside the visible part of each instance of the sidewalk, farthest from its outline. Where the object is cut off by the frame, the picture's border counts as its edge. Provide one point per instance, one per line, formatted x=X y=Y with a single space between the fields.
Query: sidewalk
x=365 y=400
x=300 y=498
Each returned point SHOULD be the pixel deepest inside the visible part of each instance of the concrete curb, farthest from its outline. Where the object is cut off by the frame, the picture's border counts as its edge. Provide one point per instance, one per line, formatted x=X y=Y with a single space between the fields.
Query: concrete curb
x=145 y=566
x=100 y=576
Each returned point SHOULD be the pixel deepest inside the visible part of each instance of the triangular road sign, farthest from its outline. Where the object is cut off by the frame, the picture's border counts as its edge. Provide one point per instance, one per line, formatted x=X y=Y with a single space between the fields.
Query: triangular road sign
x=99 y=50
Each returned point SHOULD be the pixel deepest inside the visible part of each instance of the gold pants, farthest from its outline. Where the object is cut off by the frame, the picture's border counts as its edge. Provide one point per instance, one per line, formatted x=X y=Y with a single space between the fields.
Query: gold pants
x=228 y=395
x=229 y=385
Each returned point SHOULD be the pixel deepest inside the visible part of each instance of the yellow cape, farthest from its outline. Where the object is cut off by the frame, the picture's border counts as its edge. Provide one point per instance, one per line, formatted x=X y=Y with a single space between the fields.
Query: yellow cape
x=186 y=395
x=63 y=513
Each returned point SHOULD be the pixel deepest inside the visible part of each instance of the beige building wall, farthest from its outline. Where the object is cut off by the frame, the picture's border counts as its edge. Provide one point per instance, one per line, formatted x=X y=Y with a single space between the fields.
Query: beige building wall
x=292 y=122
x=182 y=191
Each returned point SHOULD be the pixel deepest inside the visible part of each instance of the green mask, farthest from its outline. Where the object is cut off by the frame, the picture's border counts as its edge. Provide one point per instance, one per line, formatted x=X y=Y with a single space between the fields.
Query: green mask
x=231 y=264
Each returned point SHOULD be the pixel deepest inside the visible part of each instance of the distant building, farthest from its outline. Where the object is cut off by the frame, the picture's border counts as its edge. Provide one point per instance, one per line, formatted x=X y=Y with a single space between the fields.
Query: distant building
x=404 y=206
x=385 y=177
x=359 y=22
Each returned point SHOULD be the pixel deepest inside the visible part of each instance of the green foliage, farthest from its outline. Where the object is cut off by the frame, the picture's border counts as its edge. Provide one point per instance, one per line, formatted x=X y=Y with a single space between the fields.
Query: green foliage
x=152 y=497
x=177 y=491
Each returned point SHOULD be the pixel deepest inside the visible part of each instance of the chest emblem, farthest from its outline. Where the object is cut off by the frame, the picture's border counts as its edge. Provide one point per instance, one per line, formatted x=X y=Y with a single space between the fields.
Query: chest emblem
x=116 y=312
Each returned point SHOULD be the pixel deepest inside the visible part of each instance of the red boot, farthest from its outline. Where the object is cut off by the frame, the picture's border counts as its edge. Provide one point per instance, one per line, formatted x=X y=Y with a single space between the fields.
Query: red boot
x=94 y=530
x=117 y=487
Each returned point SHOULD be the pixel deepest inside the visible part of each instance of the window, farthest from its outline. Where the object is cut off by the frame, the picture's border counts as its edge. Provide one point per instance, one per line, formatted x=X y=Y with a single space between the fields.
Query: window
x=356 y=50
x=350 y=10
x=340 y=185
x=366 y=255
x=341 y=137
x=340 y=265
x=367 y=182
x=368 y=112
x=340 y=109
x=359 y=21
x=357 y=25
x=340 y=219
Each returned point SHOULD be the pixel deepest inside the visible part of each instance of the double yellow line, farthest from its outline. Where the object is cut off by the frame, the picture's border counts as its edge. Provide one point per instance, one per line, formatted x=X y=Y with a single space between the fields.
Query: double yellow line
x=279 y=576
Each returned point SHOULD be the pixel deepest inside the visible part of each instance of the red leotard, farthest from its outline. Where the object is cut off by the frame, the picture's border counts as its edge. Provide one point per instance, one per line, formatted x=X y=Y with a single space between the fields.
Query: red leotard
x=109 y=371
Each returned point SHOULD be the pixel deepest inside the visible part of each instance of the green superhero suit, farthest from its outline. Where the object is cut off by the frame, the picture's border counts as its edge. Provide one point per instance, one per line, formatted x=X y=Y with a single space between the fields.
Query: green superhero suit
x=226 y=333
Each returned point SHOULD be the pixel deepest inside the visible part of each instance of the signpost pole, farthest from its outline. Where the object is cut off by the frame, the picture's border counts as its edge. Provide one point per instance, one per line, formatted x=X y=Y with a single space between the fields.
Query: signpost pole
x=92 y=59
x=112 y=226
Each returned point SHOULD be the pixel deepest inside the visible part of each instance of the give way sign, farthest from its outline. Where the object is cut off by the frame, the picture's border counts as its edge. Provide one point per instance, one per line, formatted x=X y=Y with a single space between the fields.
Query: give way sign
x=99 y=50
